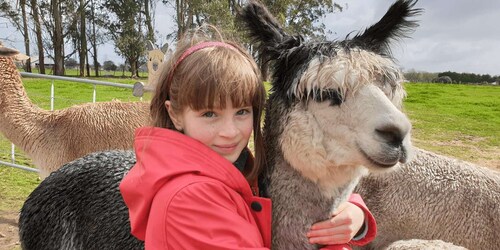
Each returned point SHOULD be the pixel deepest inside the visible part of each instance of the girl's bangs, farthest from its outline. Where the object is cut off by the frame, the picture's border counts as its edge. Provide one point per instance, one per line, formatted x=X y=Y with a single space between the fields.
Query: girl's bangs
x=230 y=78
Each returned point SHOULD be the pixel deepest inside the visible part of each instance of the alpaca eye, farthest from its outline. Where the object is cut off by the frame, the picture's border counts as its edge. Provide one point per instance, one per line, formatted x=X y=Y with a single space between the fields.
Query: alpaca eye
x=331 y=95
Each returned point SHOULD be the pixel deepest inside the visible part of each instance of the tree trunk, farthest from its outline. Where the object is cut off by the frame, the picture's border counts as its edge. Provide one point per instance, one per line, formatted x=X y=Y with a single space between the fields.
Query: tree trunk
x=83 y=38
x=27 y=66
x=133 y=67
x=182 y=25
x=93 y=41
x=58 y=39
x=87 y=65
x=149 y=23
x=39 y=41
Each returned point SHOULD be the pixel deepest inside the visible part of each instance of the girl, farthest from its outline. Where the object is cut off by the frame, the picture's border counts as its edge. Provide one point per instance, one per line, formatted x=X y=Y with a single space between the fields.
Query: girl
x=194 y=185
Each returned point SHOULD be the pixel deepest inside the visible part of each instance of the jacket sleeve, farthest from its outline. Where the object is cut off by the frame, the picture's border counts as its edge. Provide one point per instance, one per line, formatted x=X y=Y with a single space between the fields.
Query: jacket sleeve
x=207 y=215
x=370 y=223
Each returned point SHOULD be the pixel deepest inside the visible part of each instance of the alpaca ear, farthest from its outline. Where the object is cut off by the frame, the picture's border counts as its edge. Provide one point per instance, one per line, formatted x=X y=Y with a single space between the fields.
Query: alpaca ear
x=150 y=46
x=176 y=120
x=265 y=31
x=164 y=48
x=393 y=26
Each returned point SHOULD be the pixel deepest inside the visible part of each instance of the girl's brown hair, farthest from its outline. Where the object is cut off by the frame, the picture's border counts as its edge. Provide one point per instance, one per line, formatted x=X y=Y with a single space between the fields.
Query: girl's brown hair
x=205 y=80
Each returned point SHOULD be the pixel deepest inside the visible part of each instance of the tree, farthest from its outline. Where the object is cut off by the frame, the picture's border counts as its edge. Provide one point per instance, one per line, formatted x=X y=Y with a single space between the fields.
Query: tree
x=22 y=4
x=302 y=16
x=38 y=32
x=109 y=66
x=420 y=76
x=126 y=30
x=20 y=22
x=83 y=37
x=97 y=36
x=149 y=7
x=58 y=38
x=71 y=63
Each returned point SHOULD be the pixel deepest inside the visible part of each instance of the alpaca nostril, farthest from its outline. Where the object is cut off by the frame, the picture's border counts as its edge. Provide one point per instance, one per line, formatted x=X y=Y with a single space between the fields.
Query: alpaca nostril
x=391 y=135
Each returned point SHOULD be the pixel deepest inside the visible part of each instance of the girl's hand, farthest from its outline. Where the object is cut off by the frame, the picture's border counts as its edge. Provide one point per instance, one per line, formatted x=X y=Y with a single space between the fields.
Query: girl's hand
x=341 y=228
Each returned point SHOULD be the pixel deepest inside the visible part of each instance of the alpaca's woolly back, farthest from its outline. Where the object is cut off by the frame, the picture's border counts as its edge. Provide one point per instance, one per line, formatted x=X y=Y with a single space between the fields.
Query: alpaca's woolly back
x=435 y=197
x=416 y=244
x=79 y=130
x=80 y=207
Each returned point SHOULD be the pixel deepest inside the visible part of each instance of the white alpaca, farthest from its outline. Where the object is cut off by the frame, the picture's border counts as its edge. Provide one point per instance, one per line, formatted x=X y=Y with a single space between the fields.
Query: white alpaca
x=435 y=197
x=52 y=138
x=422 y=245
x=156 y=56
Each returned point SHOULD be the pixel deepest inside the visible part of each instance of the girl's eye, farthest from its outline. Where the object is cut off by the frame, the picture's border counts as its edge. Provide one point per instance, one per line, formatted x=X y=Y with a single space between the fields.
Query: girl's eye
x=243 y=112
x=208 y=114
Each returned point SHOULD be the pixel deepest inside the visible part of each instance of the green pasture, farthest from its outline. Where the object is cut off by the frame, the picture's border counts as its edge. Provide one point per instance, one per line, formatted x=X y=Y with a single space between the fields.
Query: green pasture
x=462 y=121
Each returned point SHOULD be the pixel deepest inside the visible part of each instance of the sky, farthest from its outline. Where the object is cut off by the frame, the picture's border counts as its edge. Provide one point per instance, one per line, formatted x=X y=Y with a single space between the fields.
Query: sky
x=454 y=35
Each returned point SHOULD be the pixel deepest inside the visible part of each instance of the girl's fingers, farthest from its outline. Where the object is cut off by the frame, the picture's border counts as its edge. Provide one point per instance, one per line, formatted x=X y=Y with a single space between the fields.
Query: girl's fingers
x=331 y=223
x=322 y=225
x=339 y=235
x=340 y=230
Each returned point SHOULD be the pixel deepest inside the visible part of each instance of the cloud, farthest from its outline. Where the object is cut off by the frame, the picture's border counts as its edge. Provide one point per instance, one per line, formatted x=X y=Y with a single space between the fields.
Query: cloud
x=456 y=35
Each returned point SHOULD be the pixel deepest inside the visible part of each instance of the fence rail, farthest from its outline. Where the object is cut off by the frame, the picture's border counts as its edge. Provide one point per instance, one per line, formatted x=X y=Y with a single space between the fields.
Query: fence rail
x=137 y=91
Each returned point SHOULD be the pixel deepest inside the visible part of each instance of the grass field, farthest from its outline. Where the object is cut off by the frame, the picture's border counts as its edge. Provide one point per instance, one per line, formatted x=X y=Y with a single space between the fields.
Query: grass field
x=462 y=121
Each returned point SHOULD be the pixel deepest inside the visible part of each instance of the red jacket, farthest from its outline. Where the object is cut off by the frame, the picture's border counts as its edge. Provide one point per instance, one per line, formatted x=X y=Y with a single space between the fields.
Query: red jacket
x=183 y=195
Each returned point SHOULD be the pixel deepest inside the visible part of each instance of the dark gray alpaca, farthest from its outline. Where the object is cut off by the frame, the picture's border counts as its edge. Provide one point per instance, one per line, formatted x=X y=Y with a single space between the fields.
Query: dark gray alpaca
x=333 y=114
x=80 y=207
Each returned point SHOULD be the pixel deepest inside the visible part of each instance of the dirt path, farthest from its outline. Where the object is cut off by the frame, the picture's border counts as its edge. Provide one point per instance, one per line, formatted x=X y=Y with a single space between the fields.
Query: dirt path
x=9 y=239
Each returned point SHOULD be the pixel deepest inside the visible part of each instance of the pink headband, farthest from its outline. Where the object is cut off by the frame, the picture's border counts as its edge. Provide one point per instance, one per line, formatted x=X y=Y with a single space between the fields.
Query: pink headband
x=195 y=48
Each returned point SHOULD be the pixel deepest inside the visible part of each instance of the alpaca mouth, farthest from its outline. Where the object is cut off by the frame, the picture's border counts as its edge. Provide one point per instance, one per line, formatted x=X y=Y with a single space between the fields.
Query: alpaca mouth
x=155 y=66
x=386 y=159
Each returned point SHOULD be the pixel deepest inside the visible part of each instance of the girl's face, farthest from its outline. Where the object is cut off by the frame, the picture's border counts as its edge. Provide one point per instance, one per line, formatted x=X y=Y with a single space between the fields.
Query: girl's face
x=226 y=131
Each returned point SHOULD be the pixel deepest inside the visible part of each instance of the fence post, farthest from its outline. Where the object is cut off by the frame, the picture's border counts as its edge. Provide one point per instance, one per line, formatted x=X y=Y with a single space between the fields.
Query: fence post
x=13 y=153
x=94 y=94
x=52 y=96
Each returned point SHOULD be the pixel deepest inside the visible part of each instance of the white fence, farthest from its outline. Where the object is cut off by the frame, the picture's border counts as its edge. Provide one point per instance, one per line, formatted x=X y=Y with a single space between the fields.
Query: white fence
x=137 y=91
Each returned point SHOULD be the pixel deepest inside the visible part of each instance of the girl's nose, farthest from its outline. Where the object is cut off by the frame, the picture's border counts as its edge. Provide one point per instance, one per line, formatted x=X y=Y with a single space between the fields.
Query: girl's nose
x=229 y=128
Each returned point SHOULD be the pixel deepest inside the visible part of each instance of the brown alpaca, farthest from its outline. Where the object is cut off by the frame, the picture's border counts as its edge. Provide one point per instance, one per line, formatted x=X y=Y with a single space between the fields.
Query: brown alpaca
x=52 y=138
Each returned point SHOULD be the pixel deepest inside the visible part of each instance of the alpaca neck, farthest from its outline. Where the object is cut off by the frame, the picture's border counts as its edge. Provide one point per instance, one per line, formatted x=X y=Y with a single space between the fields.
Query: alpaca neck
x=19 y=117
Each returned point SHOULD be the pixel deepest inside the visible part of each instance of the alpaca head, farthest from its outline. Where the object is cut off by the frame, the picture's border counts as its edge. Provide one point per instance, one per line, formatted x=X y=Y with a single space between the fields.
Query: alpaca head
x=155 y=59
x=7 y=52
x=338 y=101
